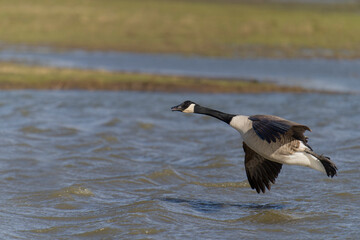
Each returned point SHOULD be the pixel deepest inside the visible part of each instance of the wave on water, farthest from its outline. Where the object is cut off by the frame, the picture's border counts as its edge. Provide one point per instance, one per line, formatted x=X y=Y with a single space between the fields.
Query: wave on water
x=213 y=206
x=76 y=190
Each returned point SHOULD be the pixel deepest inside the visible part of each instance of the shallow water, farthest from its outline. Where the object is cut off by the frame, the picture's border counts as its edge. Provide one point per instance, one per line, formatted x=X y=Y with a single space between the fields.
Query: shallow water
x=323 y=74
x=121 y=165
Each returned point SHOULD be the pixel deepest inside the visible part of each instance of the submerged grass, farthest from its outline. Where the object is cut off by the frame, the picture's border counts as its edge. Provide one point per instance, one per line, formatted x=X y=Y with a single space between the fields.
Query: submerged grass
x=17 y=76
x=218 y=28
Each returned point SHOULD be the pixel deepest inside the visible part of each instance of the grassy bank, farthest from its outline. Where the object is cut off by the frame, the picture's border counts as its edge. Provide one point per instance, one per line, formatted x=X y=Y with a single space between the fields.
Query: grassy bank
x=15 y=76
x=218 y=28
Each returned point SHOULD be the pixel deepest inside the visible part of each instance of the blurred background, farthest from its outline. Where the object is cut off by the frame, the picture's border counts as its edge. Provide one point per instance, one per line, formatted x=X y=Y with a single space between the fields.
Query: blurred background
x=228 y=39
x=91 y=150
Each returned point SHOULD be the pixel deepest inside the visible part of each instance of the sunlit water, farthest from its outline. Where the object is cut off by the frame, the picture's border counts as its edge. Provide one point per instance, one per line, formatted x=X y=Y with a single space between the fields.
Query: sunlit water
x=121 y=165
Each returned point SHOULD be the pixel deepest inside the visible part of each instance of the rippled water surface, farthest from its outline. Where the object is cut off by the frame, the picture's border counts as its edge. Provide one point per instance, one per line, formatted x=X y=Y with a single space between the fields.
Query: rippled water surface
x=121 y=165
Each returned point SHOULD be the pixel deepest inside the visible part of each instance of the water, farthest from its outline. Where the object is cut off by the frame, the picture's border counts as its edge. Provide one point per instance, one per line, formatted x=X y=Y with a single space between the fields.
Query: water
x=121 y=165
x=323 y=74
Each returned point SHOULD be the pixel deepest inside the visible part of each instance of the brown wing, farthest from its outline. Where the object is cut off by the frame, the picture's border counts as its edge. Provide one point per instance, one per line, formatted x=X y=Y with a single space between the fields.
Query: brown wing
x=260 y=171
x=271 y=128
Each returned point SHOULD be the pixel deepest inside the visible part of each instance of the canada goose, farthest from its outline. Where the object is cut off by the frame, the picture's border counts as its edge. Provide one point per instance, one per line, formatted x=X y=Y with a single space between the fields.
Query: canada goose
x=269 y=142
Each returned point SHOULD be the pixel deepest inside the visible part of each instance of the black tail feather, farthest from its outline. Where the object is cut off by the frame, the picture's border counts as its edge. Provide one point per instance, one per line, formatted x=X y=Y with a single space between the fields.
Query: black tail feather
x=330 y=167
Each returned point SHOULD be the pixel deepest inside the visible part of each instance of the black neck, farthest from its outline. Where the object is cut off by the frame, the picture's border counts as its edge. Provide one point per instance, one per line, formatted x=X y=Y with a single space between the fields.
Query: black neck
x=213 y=113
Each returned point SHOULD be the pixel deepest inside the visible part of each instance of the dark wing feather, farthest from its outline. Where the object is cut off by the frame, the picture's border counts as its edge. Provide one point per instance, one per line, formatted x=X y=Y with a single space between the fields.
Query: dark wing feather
x=260 y=171
x=271 y=128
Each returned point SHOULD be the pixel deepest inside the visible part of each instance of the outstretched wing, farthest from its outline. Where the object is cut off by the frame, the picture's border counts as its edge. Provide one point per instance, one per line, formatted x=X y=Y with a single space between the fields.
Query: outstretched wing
x=260 y=171
x=271 y=128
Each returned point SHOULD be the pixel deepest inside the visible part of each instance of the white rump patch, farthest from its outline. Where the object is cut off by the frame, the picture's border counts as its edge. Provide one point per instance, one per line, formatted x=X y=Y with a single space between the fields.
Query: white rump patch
x=305 y=159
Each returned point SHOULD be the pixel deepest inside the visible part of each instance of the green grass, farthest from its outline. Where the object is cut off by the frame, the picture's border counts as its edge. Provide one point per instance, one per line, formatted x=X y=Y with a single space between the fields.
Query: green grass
x=17 y=76
x=216 y=28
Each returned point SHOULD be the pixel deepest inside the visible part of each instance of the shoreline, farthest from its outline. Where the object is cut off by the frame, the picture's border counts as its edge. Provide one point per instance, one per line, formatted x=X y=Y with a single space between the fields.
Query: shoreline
x=245 y=52
x=14 y=76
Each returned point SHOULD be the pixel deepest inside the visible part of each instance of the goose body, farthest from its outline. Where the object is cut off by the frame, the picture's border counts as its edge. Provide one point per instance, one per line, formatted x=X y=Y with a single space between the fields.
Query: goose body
x=269 y=142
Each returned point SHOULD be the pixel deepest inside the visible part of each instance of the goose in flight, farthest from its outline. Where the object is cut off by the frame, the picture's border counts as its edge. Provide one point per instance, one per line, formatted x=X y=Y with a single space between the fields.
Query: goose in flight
x=269 y=142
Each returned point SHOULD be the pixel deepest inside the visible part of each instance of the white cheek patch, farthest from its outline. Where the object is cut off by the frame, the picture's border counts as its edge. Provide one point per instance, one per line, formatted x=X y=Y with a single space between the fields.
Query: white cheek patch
x=190 y=109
